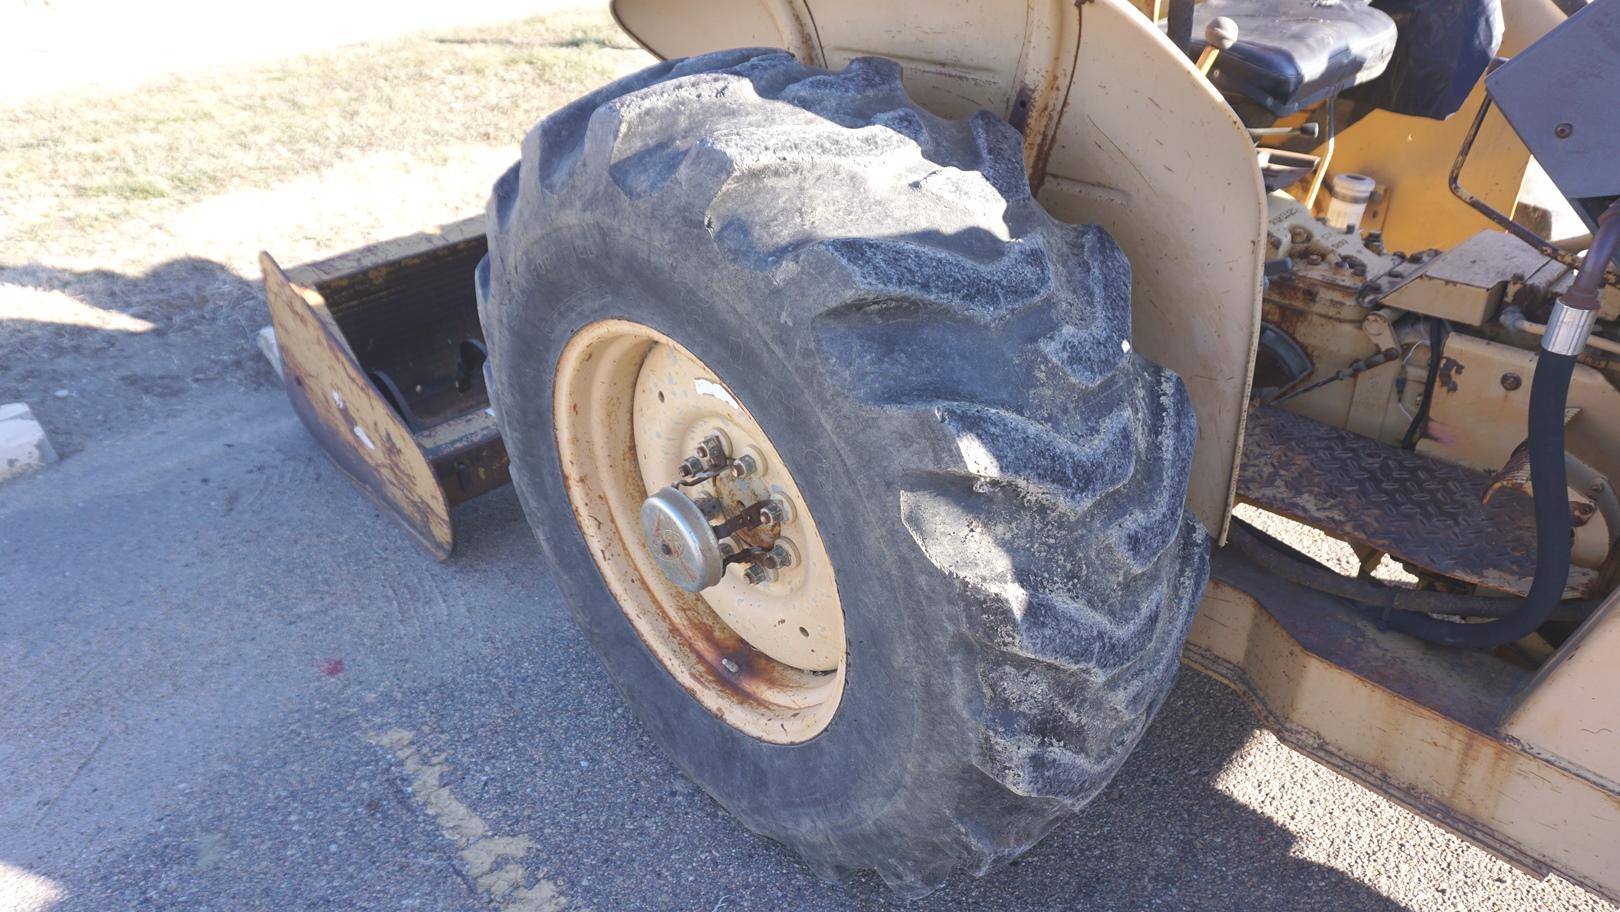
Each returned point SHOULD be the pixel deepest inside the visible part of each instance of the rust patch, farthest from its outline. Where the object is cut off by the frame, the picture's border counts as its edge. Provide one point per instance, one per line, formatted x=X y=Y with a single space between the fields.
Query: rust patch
x=1282 y=316
x=411 y=303
x=1450 y=370
x=1039 y=106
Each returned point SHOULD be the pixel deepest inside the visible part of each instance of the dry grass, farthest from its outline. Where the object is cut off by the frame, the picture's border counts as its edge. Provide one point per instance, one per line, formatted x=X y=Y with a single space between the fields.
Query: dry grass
x=73 y=166
x=130 y=221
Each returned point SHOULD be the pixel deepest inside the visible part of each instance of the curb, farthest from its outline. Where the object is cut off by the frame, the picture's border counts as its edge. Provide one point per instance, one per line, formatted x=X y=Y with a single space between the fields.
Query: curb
x=24 y=447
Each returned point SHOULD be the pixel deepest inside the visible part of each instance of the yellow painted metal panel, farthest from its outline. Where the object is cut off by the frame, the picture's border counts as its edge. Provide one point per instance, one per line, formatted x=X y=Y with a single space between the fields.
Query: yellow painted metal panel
x=1148 y=148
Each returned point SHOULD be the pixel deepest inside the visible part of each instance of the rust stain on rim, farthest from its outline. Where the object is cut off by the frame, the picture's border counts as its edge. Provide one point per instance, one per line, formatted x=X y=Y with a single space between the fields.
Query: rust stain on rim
x=628 y=404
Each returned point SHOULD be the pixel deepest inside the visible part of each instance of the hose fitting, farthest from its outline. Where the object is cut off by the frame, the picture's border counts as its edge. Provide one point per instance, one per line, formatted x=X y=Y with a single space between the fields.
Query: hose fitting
x=1583 y=292
x=1568 y=329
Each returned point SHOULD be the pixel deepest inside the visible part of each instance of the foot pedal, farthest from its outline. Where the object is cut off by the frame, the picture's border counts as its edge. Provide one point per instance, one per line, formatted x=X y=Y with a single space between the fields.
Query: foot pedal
x=1415 y=508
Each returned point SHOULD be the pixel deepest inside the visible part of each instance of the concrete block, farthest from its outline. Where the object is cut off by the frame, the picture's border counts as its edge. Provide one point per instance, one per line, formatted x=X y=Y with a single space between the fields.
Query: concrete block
x=23 y=445
x=271 y=349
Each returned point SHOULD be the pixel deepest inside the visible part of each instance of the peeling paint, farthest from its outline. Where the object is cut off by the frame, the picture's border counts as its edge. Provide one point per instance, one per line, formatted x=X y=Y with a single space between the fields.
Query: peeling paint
x=510 y=886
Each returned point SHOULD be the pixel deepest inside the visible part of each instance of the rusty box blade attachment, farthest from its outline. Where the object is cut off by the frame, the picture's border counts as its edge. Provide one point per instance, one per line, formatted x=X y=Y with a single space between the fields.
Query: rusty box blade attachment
x=1417 y=509
x=382 y=357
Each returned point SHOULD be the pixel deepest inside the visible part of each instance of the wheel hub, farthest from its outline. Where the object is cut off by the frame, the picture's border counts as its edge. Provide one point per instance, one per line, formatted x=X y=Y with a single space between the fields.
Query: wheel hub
x=673 y=481
x=692 y=553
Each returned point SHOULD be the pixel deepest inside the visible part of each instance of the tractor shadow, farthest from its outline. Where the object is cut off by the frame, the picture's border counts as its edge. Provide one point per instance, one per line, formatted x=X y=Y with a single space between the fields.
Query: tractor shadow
x=97 y=350
x=1163 y=835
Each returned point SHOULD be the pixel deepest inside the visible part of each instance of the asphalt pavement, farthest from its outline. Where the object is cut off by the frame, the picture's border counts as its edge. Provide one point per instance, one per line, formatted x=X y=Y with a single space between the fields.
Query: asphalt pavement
x=229 y=682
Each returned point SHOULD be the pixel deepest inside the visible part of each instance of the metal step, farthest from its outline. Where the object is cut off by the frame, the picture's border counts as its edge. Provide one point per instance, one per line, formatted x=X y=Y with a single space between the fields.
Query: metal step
x=1417 y=509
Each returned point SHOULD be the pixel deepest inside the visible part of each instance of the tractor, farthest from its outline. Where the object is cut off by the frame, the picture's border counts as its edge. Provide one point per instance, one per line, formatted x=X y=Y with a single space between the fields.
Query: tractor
x=880 y=382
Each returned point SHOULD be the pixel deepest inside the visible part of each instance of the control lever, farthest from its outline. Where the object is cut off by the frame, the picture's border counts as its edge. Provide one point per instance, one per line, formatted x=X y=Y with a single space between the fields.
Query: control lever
x=1219 y=35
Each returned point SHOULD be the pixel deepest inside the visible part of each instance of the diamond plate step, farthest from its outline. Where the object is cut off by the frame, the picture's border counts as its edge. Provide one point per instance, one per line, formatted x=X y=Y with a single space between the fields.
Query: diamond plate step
x=1419 y=510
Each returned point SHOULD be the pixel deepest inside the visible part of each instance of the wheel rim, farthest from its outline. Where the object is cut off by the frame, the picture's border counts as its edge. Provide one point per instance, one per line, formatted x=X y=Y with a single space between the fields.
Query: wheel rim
x=767 y=656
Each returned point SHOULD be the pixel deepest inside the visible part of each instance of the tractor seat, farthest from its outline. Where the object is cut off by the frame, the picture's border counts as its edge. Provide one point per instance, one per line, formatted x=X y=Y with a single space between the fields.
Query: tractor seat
x=1291 y=54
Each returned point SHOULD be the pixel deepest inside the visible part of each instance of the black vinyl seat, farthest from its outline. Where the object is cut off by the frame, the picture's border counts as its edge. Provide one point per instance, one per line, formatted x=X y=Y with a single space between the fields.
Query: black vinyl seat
x=1291 y=54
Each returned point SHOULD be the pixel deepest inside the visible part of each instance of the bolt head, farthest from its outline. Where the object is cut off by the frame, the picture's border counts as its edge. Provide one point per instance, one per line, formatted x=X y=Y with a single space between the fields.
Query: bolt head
x=1564 y=130
x=1511 y=381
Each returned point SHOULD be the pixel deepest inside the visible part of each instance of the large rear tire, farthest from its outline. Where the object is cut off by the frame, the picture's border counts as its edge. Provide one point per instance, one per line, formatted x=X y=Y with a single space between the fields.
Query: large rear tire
x=945 y=371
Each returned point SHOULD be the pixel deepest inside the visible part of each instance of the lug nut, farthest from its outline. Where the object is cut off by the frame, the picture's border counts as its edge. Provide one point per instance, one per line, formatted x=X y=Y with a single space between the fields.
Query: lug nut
x=712 y=450
x=757 y=574
x=691 y=466
x=774 y=512
x=778 y=557
x=744 y=466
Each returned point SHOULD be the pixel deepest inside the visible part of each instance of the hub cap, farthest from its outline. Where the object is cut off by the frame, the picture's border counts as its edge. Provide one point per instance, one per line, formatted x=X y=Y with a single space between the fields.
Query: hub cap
x=681 y=540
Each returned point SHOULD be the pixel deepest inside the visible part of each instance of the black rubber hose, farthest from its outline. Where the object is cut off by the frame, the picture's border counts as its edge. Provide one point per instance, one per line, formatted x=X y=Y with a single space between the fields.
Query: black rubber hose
x=1282 y=561
x=1431 y=381
x=1548 y=394
x=1583 y=292
x=1179 y=27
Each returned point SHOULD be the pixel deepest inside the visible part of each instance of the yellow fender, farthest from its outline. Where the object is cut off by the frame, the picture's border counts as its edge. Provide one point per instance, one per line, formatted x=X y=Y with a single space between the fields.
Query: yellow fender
x=1120 y=129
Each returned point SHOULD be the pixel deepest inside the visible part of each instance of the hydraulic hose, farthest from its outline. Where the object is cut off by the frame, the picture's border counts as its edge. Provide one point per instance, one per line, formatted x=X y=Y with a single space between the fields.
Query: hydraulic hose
x=1283 y=561
x=1179 y=25
x=1548 y=393
x=1567 y=331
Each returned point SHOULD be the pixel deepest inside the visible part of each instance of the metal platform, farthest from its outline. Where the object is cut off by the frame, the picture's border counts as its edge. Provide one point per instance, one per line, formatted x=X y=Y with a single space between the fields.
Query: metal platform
x=1417 y=509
